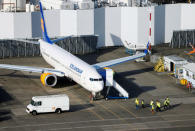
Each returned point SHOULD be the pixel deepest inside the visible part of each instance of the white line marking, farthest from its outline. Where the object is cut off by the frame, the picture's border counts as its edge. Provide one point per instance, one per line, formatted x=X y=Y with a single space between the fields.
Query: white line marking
x=36 y=125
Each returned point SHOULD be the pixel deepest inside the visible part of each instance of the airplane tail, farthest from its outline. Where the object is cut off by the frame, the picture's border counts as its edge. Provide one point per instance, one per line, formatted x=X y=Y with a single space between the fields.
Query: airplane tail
x=43 y=27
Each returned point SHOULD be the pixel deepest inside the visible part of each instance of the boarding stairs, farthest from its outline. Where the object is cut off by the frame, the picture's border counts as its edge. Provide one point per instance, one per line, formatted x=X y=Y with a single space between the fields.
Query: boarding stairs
x=111 y=83
x=121 y=90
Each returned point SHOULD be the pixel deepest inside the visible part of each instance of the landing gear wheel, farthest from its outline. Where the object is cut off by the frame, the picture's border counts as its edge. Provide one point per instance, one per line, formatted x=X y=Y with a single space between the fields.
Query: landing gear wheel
x=58 y=111
x=34 y=113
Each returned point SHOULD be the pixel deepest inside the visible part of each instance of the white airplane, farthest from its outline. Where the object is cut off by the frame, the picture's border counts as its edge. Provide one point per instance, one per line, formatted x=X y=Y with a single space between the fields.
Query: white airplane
x=135 y=47
x=67 y=65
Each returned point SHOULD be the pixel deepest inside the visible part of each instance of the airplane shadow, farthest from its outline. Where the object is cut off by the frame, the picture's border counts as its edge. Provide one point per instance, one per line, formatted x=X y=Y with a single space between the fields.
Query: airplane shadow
x=4 y=96
x=92 y=57
x=64 y=82
x=171 y=107
x=133 y=72
x=131 y=87
x=5 y=115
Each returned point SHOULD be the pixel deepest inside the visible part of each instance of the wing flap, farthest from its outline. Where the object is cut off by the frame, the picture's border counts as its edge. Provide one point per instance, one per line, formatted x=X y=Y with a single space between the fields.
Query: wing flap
x=32 y=69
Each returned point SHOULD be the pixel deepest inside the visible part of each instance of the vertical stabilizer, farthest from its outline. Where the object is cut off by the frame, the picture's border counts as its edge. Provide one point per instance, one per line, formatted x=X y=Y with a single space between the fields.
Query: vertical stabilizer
x=43 y=27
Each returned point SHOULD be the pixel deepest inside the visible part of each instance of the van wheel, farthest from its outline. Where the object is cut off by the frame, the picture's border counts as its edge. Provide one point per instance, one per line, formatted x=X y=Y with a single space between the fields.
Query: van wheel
x=58 y=111
x=34 y=113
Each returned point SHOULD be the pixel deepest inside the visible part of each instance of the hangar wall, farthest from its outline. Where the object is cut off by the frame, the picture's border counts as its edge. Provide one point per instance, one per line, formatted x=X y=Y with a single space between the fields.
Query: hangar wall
x=52 y=19
x=85 y=22
x=22 y=21
x=6 y=25
x=68 y=22
x=172 y=20
x=129 y=31
x=99 y=26
x=112 y=25
x=187 y=16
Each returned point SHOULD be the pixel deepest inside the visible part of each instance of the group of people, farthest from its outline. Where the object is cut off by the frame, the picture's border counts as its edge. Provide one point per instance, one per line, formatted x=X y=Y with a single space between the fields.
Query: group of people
x=154 y=107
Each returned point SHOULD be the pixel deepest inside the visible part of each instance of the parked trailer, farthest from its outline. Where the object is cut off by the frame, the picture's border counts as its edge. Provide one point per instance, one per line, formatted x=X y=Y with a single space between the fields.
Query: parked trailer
x=187 y=73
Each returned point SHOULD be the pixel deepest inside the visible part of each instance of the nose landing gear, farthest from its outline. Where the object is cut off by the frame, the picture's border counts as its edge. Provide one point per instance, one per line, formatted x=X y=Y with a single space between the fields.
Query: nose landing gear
x=94 y=96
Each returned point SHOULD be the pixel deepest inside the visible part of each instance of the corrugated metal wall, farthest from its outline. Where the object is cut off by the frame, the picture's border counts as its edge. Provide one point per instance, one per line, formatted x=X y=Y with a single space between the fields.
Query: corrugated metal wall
x=75 y=45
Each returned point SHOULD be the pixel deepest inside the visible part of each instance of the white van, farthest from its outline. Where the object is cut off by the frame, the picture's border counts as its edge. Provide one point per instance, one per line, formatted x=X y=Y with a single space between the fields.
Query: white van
x=51 y=103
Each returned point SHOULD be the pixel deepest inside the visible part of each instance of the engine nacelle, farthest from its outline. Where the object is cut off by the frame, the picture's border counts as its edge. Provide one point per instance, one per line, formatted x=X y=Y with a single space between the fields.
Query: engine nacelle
x=48 y=79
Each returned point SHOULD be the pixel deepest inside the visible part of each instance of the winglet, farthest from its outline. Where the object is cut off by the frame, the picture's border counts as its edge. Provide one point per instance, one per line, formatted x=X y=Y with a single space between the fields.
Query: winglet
x=148 y=50
x=43 y=27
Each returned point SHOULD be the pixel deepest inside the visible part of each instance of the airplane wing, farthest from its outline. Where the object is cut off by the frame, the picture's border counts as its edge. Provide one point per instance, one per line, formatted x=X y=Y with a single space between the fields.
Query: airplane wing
x=59 y=39
x=118 y=61
x=37 y=42
x=124 y=59
x=28 y=41
x=32 y=69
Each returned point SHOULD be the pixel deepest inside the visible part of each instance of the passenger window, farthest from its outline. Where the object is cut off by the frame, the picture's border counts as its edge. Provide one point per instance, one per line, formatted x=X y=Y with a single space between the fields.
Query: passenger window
x=39 y=103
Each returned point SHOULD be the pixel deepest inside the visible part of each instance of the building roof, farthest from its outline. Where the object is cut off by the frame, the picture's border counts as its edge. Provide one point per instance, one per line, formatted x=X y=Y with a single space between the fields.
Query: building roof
x=190 y=67
x=175 y=58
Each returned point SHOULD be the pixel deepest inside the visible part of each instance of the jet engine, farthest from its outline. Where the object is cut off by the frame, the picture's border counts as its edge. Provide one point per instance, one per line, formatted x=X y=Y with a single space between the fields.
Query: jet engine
x=48 y=79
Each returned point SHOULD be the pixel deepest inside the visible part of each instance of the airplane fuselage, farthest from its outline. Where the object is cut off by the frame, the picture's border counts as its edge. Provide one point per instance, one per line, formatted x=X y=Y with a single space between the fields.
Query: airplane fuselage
x=73 y=67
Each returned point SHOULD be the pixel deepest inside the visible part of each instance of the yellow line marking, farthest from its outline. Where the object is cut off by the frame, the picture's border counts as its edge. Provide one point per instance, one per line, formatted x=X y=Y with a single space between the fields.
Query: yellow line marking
x=106 y=108
x=96 y=114
x=110 y=111
x=127 y=110
x=92 y=111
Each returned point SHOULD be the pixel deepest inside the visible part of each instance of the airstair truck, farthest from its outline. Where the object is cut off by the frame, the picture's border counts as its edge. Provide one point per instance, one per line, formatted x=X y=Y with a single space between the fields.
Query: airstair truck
x=50 y=103
x=108 y=77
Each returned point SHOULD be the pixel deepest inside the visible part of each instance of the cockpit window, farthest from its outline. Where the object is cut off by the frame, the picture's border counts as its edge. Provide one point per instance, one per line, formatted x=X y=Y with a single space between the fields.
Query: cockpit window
x=92 y=79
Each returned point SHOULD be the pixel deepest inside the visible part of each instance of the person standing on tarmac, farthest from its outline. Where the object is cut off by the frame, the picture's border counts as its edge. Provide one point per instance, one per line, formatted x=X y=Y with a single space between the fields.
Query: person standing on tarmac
x=165 y=104
x=158 y=106
x=168 y=102
x=142 y=102
x=137 y=103
x=151 y=103
x=152 y=108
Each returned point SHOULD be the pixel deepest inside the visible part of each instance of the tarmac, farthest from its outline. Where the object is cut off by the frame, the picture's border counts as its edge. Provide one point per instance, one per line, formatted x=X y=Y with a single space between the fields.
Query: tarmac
x=138 y=78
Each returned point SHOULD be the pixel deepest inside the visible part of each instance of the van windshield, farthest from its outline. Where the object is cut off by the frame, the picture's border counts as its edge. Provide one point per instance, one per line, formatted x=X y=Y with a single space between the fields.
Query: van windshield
x=32 y=103
x=36 y=103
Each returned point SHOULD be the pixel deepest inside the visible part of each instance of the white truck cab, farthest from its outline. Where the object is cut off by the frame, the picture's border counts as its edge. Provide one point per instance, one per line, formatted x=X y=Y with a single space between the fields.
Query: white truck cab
x=50 y=103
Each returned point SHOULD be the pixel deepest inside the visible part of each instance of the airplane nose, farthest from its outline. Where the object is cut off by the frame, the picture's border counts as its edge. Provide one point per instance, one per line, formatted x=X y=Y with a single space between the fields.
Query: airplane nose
x=100 y=87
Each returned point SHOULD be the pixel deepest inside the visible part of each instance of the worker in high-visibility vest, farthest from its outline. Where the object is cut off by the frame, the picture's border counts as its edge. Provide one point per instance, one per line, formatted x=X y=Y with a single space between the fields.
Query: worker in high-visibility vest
x=142 y=102
x=152 y=108
x=158 y=106
x=137 y=103
x=168 y=102
x=165 y=104
x=151 y=103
